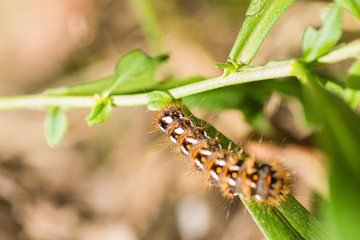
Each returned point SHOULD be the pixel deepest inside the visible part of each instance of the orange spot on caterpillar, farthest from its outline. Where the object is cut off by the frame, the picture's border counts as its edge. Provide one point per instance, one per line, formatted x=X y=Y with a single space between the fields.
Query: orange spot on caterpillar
x=171 y=130
x=211 y=163
x=226 y=169
x=195 y=152
x=181 y=140
x=243 y=175
x=268 y=180
x=255 y=177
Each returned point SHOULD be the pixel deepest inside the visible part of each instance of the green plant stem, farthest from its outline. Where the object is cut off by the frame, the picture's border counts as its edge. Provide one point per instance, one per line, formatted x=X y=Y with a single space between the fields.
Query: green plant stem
x=150 y=25
x=41 y=101
x=272 y=70
x=350 y=50
x=271 y=222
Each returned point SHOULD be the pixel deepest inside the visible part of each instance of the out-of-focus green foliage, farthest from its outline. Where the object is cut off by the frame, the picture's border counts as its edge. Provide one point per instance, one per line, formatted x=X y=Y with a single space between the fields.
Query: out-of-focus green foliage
x=55 y=126
x=352 y=6
x=318 y=42
x=100 y=112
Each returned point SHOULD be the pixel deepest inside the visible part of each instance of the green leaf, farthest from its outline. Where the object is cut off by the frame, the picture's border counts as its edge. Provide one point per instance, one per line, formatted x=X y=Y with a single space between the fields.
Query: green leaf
x=353 y=80
x=86 y=88
x=56 y=125
x=340 y=139
x=271 y=222
x=158 y=100
x=100 y=112
x=352 y=6
x=133 y=66
x=305 y=223
x=134 y=74
x=225 y=65
x=262 y=16
x=319 y=42
x=137 y=85
x=342 y=124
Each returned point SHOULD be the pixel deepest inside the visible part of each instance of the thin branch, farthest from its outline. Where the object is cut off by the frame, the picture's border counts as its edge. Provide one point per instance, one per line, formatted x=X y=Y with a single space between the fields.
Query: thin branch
x=149 y=23
x=272 y=70
x=42 y=101
x=276 y=69
x=350 y=50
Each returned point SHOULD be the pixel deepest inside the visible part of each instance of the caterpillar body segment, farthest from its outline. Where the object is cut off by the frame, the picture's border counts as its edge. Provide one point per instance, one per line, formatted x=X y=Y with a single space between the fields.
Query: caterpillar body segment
x=235 y=173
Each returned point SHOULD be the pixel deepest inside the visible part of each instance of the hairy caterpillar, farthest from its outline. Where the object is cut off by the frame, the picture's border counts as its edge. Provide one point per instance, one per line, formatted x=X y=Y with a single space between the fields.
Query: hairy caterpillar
x=235 y=173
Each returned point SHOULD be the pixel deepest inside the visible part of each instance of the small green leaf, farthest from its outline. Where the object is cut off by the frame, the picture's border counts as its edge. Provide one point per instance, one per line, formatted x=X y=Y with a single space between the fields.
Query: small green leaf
x=55 y=126
x=353 y=80
x=158 y=100
x=319 y=42
x=135 y=64
x=100 y=112
x=309 y=39
x=137 y=85
x=352 y=6
x=224 y=65
x=86 y=88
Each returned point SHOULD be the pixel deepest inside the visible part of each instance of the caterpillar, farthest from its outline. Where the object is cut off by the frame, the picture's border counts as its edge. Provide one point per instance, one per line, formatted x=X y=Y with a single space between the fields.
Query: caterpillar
x=235 y=173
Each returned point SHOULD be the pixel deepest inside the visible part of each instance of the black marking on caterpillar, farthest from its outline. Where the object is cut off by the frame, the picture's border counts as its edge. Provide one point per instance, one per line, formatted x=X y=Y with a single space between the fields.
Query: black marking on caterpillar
x=234 y=173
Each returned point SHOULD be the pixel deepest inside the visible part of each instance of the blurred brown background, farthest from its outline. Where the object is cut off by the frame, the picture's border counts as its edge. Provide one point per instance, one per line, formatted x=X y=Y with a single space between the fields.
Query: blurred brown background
x=120 y=179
